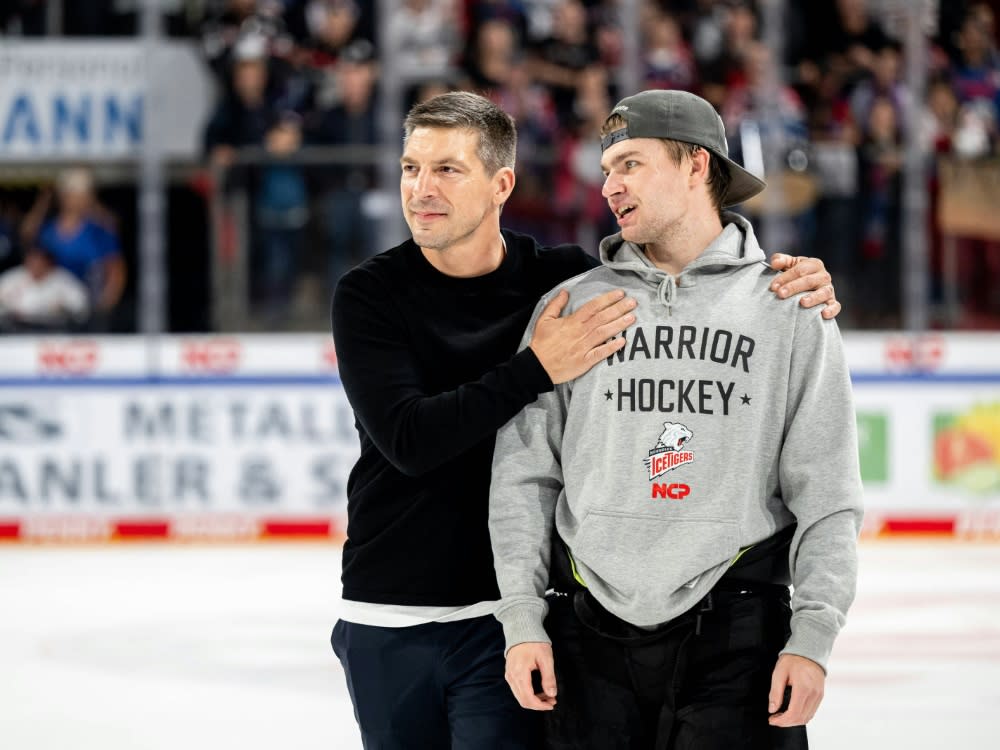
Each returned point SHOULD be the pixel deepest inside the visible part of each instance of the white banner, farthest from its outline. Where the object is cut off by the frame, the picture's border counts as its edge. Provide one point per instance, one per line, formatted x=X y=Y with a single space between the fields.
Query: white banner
x=100 y=99
x=232 y=436
x=142 y=450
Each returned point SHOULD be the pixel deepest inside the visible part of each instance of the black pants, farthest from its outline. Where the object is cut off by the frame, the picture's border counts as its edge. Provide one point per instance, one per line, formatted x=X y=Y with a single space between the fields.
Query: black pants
x=434 y=686
x=701 y=683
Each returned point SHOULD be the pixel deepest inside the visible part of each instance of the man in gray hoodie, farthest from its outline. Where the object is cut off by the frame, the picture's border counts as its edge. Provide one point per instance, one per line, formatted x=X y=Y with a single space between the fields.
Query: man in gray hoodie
x=686 y=482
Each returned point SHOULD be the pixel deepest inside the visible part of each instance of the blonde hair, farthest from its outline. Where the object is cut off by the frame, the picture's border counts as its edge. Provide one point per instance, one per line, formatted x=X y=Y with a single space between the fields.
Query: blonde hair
x=76 y=180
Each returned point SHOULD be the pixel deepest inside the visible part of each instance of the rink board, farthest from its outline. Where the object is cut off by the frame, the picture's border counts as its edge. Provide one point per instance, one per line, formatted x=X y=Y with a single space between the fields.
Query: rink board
x=252 y=438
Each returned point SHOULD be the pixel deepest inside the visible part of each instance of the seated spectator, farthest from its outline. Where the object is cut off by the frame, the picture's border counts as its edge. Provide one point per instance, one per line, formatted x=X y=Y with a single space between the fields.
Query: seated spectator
x=424 y=36
x=41 y=296
x=250 y=105
x=332 y=25
x=881 y=155
x=81 y=238
x=834 y=163
x=529 y=209
x=608 y=35
x=490 y=56
x=559 y=61
x=745 y=100
x=722 y=42
x=577 y=200
x=884 y=82
x=513 y=12
x=976 y=78
x=939 y=118
x=667 y=60
x=253 y=116
x=281 y=212
x=844 y=37
x=351 y=122
x=222 y=31
x=766 y=124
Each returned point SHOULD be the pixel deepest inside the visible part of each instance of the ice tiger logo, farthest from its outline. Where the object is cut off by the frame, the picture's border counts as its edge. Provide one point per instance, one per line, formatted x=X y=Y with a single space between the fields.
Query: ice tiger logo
x=674 y=436
x=667 y=454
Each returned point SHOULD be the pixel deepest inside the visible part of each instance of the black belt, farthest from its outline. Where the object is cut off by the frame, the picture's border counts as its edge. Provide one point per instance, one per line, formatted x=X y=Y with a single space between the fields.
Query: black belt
x=596 y=618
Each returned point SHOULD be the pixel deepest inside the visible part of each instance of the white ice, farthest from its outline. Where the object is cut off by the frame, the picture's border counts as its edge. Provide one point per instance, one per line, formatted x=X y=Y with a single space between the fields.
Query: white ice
x=166 y=647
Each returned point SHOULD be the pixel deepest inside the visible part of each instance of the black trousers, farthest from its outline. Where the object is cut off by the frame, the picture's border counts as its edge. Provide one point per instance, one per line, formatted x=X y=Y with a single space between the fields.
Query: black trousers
x=699 y=683
x=434 y=686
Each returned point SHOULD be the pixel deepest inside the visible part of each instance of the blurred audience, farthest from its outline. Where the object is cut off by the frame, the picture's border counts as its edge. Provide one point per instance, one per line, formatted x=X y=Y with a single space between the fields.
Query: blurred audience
x=297 y=74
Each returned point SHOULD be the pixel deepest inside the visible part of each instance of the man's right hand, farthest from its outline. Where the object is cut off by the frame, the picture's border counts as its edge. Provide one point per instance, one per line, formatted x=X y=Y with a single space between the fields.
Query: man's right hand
x=522 y=660
x=568 y=347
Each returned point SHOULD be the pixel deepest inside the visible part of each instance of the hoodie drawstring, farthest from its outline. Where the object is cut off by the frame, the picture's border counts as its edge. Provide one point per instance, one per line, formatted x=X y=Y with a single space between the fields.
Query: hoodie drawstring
x=666 y=292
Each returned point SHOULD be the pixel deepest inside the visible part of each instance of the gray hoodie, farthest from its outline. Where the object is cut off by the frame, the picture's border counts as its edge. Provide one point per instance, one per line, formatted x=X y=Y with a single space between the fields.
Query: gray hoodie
x=727 y=417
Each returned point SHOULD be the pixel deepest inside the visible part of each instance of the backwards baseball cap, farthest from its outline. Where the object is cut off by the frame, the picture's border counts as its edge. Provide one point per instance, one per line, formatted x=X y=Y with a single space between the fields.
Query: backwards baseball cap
x=681 y=116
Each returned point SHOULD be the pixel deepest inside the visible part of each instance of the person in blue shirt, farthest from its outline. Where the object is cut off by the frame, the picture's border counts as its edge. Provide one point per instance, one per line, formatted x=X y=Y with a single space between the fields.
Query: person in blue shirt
x=79 y=239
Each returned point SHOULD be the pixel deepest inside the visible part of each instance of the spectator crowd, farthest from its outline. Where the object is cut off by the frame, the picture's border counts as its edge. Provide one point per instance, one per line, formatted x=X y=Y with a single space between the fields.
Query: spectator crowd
x=296 y=74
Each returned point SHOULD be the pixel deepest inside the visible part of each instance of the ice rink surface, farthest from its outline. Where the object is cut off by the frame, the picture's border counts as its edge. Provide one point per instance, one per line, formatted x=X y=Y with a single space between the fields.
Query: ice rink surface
x=157 y=647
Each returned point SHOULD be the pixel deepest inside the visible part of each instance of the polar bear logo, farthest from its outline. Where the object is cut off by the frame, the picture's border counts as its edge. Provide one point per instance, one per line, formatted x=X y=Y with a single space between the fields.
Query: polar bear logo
x=674 y=436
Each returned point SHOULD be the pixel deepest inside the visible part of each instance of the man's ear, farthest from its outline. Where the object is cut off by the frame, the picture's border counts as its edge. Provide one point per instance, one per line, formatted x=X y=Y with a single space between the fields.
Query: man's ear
x=503 y=182
x=699 y=167
x=699 y=162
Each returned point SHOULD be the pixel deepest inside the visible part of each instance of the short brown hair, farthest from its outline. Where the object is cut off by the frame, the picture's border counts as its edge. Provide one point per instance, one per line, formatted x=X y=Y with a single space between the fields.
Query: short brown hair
x=718 y=176
x=460 y=109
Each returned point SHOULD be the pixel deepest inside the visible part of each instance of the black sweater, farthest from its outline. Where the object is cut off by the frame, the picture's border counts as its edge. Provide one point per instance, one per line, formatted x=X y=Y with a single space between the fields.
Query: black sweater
x=428 y=363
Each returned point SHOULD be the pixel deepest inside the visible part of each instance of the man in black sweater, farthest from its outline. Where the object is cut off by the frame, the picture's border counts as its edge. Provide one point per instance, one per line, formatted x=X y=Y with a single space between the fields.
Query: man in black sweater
x=427 y=336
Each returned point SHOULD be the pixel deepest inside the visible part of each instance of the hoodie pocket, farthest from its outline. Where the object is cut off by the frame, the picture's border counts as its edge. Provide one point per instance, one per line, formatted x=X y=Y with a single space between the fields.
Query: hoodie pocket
x=650 y=556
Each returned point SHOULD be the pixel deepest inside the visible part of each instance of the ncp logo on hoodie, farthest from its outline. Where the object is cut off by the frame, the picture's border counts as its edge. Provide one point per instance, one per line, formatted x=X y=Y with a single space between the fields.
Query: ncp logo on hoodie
x=668 y=453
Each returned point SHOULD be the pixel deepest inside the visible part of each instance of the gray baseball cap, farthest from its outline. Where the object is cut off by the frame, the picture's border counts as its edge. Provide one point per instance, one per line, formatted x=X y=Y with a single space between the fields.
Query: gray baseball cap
x=681 y=116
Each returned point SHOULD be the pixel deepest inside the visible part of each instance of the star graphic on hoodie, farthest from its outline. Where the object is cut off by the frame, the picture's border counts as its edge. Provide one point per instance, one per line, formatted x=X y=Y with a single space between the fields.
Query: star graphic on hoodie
x=745 y=399
x=608 y=394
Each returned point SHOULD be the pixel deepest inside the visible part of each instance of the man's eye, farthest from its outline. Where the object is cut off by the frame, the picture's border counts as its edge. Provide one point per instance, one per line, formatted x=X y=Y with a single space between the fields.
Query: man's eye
x=630 y=163
x=409 y=168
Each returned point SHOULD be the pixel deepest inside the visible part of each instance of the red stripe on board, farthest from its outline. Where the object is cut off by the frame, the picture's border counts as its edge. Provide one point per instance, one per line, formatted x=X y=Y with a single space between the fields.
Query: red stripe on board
x=297 y=528
x=142 y=529
x=918 y=526
x=10 y=530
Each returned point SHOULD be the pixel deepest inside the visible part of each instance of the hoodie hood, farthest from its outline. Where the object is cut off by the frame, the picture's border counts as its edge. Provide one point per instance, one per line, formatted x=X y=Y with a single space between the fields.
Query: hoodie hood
x=735 y=246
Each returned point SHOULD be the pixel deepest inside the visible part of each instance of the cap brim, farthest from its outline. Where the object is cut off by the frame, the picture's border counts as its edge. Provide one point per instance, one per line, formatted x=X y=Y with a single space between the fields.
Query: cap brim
x=743 y=185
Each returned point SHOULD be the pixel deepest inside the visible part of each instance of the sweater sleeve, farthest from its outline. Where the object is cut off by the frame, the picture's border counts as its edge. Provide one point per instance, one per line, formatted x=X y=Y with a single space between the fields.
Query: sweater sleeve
x=821 y=485
x=527 y=482
x=417 y=430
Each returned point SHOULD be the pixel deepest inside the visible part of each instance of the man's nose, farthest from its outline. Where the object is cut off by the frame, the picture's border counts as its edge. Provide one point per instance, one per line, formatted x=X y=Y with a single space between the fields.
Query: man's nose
x=612 y=185
x=424 y=184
